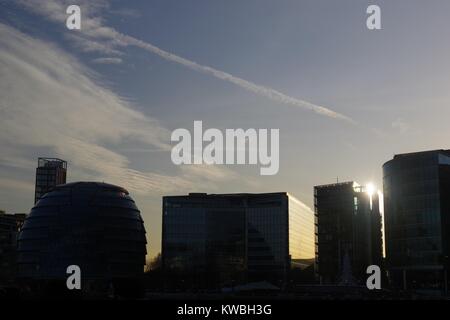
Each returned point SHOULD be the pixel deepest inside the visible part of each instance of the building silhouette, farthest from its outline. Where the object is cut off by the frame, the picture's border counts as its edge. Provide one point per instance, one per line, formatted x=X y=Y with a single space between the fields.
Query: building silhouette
x=10 y=225
x=222 y=240
x=96 y=226
x=417 y=219
x=348 y=232
x=50 y=172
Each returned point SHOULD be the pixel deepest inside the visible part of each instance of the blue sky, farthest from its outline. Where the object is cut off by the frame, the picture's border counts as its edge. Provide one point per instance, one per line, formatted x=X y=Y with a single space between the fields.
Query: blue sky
x=101 y=99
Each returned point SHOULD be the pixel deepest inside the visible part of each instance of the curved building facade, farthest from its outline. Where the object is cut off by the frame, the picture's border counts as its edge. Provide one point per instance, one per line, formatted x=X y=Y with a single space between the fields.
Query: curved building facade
x=95 y=226
x=417 y=219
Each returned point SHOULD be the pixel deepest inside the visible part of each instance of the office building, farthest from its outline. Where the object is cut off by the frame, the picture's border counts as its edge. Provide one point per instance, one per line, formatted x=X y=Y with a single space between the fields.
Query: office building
x=10 y=225
x=50 y=172
x=96 y=226
x=417 y=219
x=220 y=240
x=348 y=232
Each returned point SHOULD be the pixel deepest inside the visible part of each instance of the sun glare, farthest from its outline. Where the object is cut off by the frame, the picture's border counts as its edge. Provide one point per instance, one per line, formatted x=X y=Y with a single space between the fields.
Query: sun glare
x=370 y=189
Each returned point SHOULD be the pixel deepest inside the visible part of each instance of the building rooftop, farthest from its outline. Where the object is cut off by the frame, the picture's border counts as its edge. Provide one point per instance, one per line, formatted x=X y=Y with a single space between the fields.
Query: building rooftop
x=90 y=184
x=52 y=162
x=400 y=155
x=337 y=184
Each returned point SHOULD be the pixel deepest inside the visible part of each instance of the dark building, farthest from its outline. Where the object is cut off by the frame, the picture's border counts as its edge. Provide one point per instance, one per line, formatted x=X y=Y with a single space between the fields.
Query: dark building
x=95 y=226
x=10 y=225
x=417 y=219
x=49 y=173
x=348 y=232
x=221 y=240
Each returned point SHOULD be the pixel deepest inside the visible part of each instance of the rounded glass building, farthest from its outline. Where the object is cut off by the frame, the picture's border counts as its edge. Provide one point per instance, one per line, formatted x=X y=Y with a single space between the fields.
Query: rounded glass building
x=95 y=226
x=417 y=220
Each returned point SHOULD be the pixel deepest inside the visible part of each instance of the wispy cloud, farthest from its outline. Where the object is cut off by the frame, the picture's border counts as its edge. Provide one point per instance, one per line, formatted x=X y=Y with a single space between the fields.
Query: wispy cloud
x=400 y=125
x=107 y=60
x=95 y=31
x=93 y=46
x=17 y=185
x=51 y=101
x=126 y=13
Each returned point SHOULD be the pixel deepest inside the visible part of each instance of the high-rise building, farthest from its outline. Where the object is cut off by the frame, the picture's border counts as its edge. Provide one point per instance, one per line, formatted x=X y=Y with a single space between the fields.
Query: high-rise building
x=219 y=240
x=348 y=232
x=417 y=219
x=10 y=225
x=50 y=172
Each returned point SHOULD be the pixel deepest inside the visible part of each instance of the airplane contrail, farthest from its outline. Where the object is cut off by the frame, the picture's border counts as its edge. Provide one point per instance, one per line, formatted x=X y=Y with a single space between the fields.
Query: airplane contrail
x=247 y=85
x=94 y=30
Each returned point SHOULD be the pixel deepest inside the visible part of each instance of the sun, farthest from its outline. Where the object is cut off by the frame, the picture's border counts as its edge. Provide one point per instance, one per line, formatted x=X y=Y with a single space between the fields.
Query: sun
x=370 y=189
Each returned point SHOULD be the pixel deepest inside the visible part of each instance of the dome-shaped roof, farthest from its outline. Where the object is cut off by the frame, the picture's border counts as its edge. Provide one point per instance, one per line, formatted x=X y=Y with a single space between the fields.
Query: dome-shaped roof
x=90 y=184
x=96 y=226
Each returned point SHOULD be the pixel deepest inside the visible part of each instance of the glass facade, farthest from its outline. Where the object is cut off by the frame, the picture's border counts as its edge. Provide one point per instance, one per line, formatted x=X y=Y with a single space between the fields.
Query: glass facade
x=268 y=237
x=301 y=234
x=416 y=211
x=96 y=226
x=221 y=240
x=348 y=227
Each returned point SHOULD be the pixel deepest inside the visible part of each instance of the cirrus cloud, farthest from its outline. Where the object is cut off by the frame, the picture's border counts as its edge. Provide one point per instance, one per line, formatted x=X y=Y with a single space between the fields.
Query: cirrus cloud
x=95 y=34
x=50 y=101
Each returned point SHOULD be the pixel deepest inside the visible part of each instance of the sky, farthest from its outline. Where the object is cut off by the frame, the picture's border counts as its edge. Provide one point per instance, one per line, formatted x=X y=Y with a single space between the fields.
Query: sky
x=107 y=97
